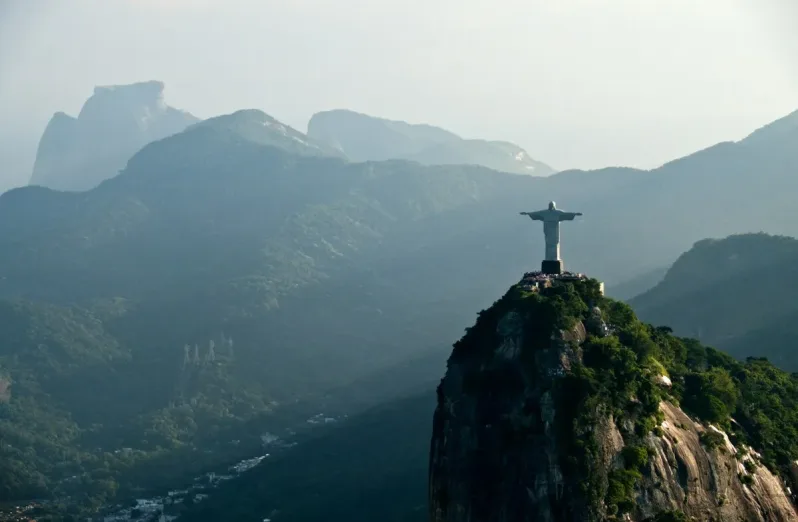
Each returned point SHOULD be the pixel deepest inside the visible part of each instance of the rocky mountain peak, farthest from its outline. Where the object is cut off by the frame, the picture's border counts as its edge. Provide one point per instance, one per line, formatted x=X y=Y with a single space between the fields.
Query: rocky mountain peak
x=558 y=405
x=113 y=124
x=151 y=88
x=136 y=95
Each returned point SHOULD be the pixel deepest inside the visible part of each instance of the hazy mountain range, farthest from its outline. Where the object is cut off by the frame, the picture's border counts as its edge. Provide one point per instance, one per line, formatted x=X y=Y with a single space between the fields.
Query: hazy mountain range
x=76 y=154
x=237 y=271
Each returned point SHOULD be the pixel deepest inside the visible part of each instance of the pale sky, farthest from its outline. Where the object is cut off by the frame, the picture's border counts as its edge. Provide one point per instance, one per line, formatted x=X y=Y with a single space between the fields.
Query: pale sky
x=578 y=83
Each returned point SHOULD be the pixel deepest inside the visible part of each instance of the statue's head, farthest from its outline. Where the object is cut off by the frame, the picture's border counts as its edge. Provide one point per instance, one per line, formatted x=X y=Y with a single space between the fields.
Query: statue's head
x=552 y=206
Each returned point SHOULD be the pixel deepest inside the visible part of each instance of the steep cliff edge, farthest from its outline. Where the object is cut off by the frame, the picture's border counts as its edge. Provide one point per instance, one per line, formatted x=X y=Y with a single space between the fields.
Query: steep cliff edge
x=559 y=405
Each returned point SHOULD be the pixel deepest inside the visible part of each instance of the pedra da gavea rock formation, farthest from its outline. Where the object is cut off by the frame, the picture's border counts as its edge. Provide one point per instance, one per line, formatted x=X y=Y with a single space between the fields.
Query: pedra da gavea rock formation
x=77 y=153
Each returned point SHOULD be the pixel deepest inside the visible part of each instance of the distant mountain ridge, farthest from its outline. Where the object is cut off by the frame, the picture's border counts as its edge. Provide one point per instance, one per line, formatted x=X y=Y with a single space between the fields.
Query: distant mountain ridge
x=697 y=296
x=77 y=153
x=258 y=127
x=498 y=155
x=784 y=127
x=114 y=123
x=368 y=138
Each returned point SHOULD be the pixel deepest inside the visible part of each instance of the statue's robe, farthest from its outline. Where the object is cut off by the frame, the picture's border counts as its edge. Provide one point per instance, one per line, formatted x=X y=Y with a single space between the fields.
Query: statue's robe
x=551 y=219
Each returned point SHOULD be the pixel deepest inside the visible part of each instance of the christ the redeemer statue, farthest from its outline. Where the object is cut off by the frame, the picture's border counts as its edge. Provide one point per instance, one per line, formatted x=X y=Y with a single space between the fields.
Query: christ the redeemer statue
x=551 y=217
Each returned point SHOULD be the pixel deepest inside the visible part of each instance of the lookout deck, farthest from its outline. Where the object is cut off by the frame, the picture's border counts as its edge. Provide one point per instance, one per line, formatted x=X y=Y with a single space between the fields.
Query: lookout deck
x=535 y=281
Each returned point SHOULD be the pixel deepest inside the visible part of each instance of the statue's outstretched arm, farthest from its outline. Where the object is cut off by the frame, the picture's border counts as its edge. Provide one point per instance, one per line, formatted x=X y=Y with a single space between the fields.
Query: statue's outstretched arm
x=569 y=216
x=536 y=216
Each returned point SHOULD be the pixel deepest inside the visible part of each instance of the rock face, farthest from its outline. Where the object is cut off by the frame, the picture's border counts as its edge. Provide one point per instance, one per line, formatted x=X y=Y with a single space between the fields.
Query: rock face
x=5 y=389
x=706 y=484
x=114 y=123
x=479 y=471
x=366 y=138
x=505 y=434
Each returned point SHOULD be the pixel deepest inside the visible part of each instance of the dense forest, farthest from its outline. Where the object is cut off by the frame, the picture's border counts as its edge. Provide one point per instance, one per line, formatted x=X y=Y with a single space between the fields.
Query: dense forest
x=61 y=438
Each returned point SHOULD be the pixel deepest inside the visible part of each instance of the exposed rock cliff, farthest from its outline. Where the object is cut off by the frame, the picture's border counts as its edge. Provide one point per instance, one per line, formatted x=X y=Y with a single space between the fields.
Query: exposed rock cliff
x=553 y=409
x=114 y=123
x=721 y=483
x=5 y=388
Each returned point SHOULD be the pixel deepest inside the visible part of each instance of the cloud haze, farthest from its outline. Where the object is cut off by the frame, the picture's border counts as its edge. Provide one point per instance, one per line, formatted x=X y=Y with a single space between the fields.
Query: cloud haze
x=579 y=83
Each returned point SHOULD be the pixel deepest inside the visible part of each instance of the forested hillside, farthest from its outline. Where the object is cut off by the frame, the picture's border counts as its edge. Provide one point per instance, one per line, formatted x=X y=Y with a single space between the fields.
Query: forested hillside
x=735 y=293
x=371 y=466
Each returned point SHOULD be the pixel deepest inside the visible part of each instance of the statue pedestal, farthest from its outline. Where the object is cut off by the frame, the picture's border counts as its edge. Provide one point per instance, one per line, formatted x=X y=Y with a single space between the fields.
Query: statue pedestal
x=551 y=267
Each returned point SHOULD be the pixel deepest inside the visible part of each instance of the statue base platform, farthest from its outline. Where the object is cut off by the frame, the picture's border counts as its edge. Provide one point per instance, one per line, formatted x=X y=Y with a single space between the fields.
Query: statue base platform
x=551 y=267
x=537 y=281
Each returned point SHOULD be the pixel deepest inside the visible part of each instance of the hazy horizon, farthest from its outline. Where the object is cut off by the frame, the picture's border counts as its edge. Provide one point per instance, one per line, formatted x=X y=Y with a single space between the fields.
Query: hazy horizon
x=579 y=84
x=364 y=323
